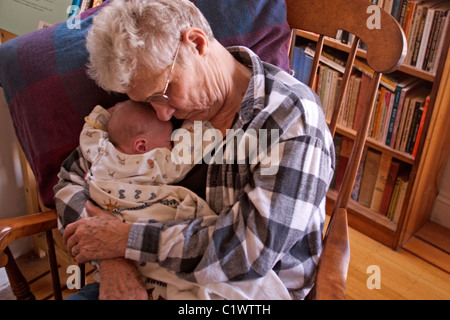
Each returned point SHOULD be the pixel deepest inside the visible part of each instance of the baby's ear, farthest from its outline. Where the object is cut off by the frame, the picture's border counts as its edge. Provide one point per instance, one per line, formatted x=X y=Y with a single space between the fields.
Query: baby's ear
x=140 y=145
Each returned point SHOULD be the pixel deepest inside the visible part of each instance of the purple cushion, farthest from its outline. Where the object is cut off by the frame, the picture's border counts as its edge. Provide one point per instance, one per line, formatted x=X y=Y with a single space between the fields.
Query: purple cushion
x=44 y=78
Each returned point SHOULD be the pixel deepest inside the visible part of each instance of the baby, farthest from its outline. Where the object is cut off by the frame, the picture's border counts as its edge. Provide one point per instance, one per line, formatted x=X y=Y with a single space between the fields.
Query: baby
x=132 y=167
x=134 y=128
x=130 y=176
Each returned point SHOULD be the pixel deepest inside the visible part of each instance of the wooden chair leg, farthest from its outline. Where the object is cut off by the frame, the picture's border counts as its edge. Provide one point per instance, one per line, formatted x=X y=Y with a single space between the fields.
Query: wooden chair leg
x=53 y=265
x=18 y=283
x=82 y=274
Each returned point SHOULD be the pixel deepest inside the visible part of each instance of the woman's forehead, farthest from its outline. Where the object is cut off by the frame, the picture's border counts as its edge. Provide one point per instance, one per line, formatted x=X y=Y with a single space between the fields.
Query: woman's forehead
x=146 y=83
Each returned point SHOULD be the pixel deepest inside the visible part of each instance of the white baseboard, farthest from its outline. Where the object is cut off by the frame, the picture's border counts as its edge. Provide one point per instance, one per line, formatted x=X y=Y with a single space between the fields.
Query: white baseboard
x=5 y=289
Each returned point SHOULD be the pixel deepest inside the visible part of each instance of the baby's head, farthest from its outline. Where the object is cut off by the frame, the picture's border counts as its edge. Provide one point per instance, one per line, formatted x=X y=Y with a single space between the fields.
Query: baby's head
x=134 y=128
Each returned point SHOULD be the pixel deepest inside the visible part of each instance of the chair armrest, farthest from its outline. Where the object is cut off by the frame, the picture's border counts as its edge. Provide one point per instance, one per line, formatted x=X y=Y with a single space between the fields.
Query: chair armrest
x=334 y=262
x=24 y=226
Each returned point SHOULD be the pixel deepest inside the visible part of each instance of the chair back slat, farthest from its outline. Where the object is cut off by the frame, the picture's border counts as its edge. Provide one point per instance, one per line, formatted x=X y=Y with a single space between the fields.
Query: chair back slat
x=316 y=60
x=344 y=87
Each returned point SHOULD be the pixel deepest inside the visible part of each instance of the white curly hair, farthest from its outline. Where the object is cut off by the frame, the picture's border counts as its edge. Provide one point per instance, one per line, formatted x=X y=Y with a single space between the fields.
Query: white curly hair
x=131 y=34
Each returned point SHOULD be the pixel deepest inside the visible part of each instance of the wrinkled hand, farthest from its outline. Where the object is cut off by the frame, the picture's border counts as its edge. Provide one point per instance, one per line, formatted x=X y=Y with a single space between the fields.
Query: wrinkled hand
x=120 y=280
x=100 y=236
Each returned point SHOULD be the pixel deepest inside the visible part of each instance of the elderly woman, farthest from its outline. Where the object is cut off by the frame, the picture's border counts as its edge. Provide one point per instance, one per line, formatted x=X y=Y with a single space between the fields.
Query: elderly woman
x=163 y=52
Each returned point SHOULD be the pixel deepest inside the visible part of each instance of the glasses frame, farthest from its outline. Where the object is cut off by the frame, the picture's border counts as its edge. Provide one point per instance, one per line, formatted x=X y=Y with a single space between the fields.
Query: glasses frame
x=162 y=97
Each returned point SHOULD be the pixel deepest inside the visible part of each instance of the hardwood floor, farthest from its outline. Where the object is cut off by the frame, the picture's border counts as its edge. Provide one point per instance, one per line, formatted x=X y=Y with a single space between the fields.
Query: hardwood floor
x=402 y=274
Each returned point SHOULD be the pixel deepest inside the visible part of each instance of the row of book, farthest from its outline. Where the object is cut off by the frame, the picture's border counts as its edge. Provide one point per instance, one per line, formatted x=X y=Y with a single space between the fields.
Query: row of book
x=425 y=23
x=401 y=106
x=381 y=181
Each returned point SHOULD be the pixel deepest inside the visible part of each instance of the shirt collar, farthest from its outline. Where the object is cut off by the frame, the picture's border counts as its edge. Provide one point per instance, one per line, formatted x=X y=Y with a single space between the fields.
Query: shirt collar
x=253 y=101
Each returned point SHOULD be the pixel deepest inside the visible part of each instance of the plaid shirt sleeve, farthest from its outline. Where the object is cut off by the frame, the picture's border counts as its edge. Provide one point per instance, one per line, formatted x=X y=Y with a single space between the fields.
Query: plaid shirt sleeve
x=264 y=222
x=70 y=192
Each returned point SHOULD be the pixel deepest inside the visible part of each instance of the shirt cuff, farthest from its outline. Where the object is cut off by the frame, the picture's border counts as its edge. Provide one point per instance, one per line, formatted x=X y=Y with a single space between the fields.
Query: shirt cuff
x=143 y=241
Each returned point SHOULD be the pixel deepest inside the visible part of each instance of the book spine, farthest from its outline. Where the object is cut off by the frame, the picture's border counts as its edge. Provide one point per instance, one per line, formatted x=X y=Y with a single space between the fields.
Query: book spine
x=435 y=62
x=401 y=199
x=389 y=135
x=394 y=200
x=413 y=34
x=389 y=187
x=362 y=98
x=369 y=176
x=407 y=127
x=380 y=184
x=425 y=37
x=357 y=185
x=419 y=37
x=402 y=13
x=414 y=127
x=434 y=43
x=346 y=149
x=433 y=31
x=396 y=8
x=422 y=121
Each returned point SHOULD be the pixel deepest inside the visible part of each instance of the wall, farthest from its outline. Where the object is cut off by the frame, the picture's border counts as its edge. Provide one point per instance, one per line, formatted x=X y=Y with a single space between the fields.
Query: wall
x=5 y=289
x=441 y=209
x=12 y=196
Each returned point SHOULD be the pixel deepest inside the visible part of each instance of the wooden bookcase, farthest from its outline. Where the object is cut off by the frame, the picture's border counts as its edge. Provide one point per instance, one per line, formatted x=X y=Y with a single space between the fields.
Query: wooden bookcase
x=425 y=168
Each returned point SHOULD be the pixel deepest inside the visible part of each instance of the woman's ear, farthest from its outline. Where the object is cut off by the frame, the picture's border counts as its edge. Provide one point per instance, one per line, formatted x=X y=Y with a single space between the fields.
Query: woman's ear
x=198 y=39
x=140 y=145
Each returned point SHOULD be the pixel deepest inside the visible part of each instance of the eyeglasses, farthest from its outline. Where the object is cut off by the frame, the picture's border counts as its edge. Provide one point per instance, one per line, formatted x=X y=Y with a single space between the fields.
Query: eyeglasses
x=162 y=98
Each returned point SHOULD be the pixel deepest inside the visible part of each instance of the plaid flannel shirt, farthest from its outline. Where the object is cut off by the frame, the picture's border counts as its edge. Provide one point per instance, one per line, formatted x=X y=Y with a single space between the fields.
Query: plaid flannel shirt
x=263 y=222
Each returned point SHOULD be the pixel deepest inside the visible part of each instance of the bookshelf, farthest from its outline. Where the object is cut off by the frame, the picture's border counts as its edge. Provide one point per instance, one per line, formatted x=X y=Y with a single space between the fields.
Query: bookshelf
x=422 y=168
x=338 y=45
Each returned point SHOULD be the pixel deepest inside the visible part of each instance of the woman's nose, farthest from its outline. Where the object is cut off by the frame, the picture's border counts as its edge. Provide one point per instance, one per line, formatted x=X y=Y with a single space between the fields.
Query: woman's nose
x=164 y=112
